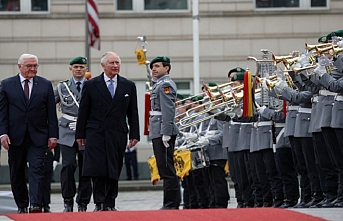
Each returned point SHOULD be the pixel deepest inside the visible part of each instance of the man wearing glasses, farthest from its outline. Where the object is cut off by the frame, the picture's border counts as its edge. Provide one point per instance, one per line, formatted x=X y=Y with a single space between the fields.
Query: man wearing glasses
x=28 y=128
x=68 y=95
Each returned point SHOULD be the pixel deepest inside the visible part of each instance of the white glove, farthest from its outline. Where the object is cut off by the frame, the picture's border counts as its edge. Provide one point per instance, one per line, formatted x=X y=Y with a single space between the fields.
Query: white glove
x=261 y=109
x=72 y=125
x=54 y=164
x=191 y=136
x=281 y=84
x=320 y=70
x=203 y=141
x=165 y=139
x=303 y=61
x=340 y=44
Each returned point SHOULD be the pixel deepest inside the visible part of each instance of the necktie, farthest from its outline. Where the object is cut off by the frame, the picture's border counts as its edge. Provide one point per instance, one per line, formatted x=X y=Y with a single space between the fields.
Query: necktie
x=111 y=88
x=26 y=89
x=78 y=86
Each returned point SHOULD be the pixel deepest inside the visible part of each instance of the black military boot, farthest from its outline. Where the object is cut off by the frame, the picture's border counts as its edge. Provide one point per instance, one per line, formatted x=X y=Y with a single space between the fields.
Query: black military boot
x=317 y=198
x=68 y=205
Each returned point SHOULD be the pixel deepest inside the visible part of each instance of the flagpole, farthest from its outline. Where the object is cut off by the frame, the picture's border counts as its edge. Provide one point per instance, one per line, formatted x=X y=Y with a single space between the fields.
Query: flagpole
x=196 y=47
x=87 y=40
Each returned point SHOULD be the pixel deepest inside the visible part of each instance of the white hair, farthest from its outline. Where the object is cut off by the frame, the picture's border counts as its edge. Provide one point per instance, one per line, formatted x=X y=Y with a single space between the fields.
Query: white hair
x=103 y=59
x=26 y=56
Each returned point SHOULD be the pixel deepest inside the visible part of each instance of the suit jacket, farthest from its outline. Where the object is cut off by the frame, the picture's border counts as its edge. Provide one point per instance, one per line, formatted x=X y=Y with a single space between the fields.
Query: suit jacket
x=38 y=115
x=102 y=120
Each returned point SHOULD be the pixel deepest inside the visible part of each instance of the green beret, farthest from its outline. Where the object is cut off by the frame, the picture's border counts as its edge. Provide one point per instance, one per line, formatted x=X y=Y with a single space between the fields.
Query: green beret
x=78 y=60
x=159 y=59
x=238 y=77
x=197 y=98
x=212 y=84
x=179 y=96
x=237 y=69
x=338 y=33
x=323 y=39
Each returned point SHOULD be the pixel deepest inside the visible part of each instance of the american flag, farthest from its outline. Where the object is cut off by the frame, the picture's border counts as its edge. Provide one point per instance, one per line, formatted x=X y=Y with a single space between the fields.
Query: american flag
x=93 y=24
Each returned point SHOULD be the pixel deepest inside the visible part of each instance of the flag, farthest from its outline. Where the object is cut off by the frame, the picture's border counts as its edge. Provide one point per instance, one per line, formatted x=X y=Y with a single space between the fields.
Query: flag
x=93 y=24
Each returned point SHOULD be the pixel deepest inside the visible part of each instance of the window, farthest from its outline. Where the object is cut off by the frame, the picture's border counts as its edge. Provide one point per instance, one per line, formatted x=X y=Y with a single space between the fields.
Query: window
x=152 y=5
x=24 y=6
x=184 y=88
x=291 y=4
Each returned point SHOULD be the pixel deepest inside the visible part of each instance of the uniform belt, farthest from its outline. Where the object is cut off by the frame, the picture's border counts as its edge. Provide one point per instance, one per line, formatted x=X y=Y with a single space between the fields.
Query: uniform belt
x=289 y=108
x=68 y=117
x=279 y=124
x=154 y=113
x=339 y=98
x=327 y=93
x=246 y=123
x=305 y=110
x=264 y=123
x=235 y=123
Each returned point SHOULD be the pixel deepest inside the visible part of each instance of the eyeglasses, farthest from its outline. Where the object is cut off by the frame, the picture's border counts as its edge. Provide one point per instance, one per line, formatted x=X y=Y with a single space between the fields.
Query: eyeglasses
x=28 y=66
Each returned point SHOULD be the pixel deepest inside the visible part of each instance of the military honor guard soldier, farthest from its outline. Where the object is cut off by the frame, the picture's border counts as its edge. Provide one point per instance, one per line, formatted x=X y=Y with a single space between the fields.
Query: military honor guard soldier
x=68 y=96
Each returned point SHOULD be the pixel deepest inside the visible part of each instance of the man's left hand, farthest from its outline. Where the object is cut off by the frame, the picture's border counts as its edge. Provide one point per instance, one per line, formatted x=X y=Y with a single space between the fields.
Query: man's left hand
x=52 y=142
x=132 y=143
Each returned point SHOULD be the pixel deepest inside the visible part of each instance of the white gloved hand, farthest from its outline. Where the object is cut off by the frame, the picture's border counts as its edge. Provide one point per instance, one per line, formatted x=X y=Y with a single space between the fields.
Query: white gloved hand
x=165 y=139
x=261 y=109
x=281 y=84
x=72 y=125
x=191 y=136
x=320 y=70
x=203 y=141
x=340 y=44
x=54 y=164
x=303 y=61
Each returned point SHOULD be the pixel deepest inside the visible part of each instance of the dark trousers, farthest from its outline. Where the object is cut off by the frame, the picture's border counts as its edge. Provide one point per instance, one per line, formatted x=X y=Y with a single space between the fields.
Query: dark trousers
x=302 y=168
x=18 y=156
x=328 y=173
x=131 y=161
x=202 y=187
x=260 y=168
x=243 y=178
x=288 y=173
x=105 y=191
x=335 y=152
x=69 y=166
x=48 y=171
x=190 y=197
x=218 y=183
x=233 y=174
x=165 y=164
x=255 y=182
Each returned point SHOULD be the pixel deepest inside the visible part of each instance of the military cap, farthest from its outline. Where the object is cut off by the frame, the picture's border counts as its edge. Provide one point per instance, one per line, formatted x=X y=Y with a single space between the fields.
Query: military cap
x=338 y=33
x=212 y=84
x=159 y=59
x=179 y=96
x=237 y=69
x=322 y=39
x=238 y=77
x=197 y=98
x=78 y=60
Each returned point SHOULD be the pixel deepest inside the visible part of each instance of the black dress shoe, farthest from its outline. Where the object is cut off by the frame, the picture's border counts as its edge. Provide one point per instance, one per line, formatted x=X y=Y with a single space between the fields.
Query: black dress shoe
x=288 y=204
x=99 y=207
x=109 y=208
x=46 y=208
x=167 y=208
x=34 y=208
x=68 y=205
x=302 y=204
x=22 y=210
x=82 y=207
x=240 y=205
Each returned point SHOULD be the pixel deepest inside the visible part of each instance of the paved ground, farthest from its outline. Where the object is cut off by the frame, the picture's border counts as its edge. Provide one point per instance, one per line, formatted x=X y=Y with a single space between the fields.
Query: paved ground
x=148 y=200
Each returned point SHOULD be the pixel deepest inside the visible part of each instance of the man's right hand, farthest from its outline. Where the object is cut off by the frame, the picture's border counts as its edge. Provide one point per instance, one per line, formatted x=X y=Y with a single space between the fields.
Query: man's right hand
x=5 y=142
x=81 y=142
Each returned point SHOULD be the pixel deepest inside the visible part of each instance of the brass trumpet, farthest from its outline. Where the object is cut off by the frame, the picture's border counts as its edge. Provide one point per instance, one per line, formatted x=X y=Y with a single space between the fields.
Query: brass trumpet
x=309 y=47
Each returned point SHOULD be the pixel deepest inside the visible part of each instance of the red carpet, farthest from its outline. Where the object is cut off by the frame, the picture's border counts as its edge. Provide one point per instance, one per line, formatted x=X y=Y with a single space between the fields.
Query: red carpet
x=254 y=214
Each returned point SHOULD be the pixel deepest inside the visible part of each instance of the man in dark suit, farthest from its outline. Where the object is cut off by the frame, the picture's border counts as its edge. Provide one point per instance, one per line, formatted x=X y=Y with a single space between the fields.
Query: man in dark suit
x=107 y=103
x=28 y=127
